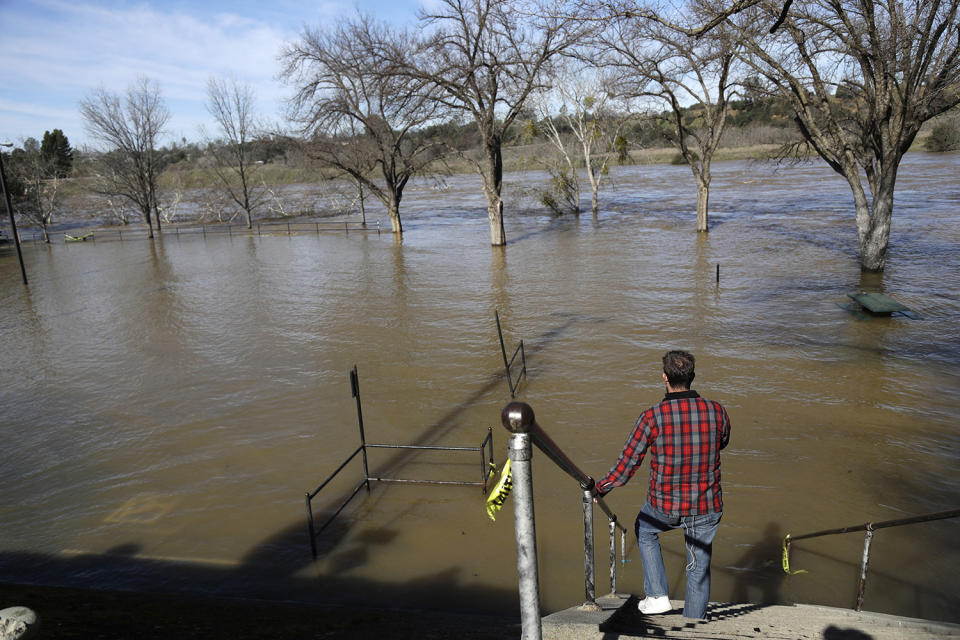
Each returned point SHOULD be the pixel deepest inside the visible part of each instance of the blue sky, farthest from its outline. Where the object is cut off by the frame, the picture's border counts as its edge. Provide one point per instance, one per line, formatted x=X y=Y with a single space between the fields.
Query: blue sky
x=55 y=52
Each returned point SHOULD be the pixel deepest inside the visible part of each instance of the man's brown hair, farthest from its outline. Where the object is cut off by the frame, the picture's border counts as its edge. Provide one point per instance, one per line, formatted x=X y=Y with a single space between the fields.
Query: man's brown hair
x=678 y=366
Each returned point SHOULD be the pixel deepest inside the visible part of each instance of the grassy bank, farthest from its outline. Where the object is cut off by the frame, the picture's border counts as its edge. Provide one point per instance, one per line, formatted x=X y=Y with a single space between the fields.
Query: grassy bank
x=67 y=614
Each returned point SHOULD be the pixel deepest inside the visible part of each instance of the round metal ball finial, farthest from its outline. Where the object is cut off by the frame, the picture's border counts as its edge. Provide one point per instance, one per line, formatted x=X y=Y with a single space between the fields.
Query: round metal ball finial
x=517 y=417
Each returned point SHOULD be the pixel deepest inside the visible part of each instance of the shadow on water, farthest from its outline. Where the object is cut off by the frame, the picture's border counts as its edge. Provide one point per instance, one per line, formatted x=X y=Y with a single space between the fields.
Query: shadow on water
x=121 y=569
x=761 y=575
x=280 y=566
x=293 y=541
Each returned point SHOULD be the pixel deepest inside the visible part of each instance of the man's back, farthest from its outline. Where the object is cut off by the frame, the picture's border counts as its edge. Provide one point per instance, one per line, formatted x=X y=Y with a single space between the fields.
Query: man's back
x=685 y=454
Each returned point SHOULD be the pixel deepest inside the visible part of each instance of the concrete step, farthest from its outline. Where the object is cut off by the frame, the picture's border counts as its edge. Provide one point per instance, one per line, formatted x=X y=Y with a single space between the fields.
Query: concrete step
x=617 y=616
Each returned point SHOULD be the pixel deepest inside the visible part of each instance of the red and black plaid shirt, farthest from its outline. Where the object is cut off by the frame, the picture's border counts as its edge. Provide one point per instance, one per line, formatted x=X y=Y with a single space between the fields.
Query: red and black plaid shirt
x=685 y=433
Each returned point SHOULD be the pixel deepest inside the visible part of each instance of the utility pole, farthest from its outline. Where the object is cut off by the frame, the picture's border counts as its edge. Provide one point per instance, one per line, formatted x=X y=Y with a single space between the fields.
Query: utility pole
x=13 y=224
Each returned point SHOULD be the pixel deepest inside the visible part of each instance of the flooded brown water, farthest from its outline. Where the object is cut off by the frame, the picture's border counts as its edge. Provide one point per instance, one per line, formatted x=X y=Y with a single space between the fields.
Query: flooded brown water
x=166 y=405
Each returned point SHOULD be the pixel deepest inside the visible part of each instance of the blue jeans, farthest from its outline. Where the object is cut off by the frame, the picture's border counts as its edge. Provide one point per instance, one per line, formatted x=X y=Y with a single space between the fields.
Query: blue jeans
x=698 y=532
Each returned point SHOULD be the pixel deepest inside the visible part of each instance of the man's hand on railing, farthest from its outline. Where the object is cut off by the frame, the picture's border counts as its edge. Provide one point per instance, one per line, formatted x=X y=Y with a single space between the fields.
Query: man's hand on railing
x=597 y=493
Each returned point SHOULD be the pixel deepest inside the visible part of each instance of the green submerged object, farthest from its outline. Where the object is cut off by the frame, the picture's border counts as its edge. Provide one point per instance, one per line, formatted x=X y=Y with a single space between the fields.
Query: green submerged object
x=878 y=304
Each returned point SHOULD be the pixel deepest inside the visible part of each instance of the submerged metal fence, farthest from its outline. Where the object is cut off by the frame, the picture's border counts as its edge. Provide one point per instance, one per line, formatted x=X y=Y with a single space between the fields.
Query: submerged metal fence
x=259 y=229
x=485 y=450
x=508 y=363
x=869 y=527
x=518 y=418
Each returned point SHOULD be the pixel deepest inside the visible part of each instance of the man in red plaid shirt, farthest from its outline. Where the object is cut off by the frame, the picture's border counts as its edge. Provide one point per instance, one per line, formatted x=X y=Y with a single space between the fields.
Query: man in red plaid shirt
x=684 y=434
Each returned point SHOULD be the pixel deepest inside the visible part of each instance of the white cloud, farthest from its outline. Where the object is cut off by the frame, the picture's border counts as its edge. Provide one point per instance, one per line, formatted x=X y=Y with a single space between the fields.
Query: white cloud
x=56 y=52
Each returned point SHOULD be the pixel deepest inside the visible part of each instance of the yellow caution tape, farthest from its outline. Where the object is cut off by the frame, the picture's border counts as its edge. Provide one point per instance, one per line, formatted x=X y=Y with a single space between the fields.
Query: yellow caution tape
x=786 y=559
x=500 y=492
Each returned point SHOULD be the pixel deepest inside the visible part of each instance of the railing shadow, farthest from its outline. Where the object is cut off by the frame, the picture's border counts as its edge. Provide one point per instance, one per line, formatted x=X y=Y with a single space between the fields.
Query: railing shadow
x=288 y=550
x=628 y=621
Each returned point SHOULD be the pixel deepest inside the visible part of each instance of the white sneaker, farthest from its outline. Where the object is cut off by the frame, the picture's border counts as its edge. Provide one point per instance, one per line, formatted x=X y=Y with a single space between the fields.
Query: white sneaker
x=654 y=604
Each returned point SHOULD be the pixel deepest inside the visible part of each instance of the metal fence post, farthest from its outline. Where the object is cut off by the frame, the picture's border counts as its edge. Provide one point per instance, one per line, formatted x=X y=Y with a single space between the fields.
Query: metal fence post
x=310 y=529
x=517 y=418
x=613 y=557
x=355 y=391
x=589 y=566
x=863 y=566
x=503 y=350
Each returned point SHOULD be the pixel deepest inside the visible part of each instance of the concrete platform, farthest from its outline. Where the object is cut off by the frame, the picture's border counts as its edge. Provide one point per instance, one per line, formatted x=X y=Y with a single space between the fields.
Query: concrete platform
x=619 y=618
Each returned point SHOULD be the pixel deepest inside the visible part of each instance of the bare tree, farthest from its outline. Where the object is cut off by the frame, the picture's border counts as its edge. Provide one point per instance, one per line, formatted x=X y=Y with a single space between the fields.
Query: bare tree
x=34 y=184
x=582 y=98
x=899 y=63
x=691 y=77
x=232 y=103
x=129 y=126
x=487 y=57
x=654 y=12
x=362 y=118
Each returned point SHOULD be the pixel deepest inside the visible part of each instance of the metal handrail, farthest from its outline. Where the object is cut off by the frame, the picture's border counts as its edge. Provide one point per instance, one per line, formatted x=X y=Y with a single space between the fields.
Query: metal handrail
x=485 y=449
x=869 y=527
x=519 y=419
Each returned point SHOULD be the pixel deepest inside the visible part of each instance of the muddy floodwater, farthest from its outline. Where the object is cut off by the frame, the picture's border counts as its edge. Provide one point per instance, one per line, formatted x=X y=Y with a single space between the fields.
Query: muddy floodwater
x=166 y=405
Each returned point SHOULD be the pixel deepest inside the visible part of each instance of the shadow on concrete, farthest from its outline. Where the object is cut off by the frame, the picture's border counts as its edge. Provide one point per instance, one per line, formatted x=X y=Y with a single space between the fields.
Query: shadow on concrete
x=836 y=633
x=628 y=621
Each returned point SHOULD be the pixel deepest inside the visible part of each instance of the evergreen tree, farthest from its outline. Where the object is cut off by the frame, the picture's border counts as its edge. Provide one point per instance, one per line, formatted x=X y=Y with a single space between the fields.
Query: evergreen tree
x=56 y=152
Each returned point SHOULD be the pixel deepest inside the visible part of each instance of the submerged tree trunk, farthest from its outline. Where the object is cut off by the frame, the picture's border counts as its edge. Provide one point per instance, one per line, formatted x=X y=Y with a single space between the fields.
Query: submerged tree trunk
x=873 y=219
x=594 y=190
x=498 y=237
x=701 y=173
x=155 y=207
x=703 y=201
x=396 y=225
x=363 y=206
x=246 y=198
x=492 y=186
x=149 y=218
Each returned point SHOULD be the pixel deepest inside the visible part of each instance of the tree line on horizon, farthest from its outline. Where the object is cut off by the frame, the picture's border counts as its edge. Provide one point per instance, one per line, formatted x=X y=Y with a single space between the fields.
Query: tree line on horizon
x=849 y=81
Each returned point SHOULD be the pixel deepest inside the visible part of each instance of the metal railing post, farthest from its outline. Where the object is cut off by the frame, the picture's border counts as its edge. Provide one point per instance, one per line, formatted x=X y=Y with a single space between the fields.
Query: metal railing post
x=863 y=567
x=13 y=223
x=523 y=361
x=517 y=418
x=503 y=350
x=613 y=557
x=355 y=390
x=589 y=566
x=310 y=527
